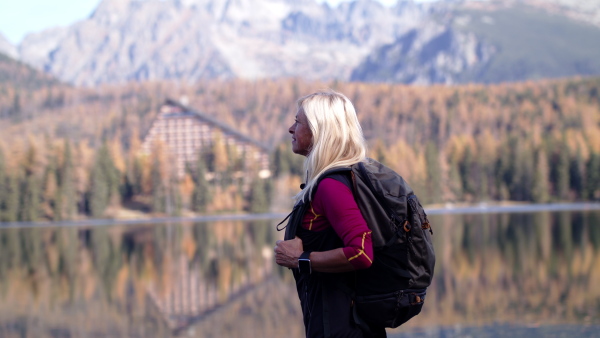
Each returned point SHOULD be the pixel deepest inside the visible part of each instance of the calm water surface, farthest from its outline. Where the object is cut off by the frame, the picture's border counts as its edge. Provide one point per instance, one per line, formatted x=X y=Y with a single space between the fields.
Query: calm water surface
x=497 y=275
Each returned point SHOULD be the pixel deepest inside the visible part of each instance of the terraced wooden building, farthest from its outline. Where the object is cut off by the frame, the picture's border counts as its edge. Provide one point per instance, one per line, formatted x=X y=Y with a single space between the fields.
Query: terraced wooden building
x=187 y=133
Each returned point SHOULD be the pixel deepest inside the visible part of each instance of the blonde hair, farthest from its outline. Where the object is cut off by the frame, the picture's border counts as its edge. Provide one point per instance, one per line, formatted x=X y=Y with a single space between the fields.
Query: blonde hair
x=337 y=137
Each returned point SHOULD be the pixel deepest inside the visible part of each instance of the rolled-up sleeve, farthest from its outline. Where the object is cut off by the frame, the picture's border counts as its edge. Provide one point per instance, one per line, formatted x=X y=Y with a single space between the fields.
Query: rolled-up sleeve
x=336 y=202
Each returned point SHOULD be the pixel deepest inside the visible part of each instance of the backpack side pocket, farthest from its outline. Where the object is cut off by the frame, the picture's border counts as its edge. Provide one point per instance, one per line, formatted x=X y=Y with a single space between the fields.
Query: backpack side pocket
x=390 y=309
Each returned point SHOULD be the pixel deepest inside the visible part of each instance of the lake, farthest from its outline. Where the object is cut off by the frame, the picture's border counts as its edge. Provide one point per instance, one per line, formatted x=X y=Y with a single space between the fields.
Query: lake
x=522 y=274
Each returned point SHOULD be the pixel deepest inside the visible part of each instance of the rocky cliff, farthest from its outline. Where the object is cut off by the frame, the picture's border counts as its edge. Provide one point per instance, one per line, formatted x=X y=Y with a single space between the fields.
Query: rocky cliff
x=190 y=40
x=200 y=39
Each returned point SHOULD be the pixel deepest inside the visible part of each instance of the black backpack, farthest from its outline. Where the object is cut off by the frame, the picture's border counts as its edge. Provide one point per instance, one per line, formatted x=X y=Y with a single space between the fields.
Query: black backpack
x=393 y=289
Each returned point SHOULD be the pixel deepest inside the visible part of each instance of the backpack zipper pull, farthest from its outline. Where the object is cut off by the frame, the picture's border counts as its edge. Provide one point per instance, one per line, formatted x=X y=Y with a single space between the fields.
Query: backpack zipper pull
x=406 y=226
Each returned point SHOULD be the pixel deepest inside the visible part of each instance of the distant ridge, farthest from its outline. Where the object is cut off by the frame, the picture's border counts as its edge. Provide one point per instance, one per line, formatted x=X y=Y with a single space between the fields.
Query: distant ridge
x=440 y=42
x=489 y=45
x=18 y=75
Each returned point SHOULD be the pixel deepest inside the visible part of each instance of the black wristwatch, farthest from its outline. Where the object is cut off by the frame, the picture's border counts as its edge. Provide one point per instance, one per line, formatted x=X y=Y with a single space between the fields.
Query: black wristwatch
x=304 y=263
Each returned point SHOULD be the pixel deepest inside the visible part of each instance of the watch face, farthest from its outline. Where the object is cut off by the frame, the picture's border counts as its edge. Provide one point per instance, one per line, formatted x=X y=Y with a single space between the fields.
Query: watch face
x=304 y=266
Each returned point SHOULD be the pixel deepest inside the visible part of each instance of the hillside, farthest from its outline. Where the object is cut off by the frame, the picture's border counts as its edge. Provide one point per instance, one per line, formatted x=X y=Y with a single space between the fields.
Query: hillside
x=17 y=82
x=534 y=141
x=548 y=45
x=15 y=74
x=413 y=43
x=487 y=44
x=587 y=11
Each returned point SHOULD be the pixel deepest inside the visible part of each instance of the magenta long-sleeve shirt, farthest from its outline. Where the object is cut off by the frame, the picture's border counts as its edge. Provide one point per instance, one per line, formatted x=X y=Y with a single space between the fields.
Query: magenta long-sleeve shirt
x=334 y=206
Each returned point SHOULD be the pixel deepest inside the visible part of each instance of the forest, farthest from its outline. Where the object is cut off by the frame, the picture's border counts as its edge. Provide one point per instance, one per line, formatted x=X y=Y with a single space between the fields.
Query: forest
x=72 y=153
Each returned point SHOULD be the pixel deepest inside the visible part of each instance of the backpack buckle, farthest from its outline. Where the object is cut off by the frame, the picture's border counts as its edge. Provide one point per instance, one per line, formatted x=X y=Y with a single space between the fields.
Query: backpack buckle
x=426 y=226
x=406 y=226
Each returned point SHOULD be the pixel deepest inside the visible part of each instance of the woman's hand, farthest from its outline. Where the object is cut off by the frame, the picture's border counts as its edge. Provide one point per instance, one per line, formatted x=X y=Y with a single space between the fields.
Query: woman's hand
x=288 y=252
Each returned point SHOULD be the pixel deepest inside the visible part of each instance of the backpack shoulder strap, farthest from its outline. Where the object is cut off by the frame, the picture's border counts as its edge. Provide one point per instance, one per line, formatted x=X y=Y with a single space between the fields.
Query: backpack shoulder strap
x=295 y=217
x=343 y=175
x=344 y=178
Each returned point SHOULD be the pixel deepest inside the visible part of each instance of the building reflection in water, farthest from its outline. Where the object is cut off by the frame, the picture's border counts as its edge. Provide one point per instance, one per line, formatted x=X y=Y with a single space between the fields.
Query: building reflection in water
x=218 y=279
x=205 y=267
x=193 y=297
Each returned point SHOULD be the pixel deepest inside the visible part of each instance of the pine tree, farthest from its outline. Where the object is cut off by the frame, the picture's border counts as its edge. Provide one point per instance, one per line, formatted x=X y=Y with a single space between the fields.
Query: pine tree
x=30 y=200
x=233 y=166
x=209 y=159
x=562 y=178
x=280 y=161
x=29 y=205
x=466 y=168
x=201 y=195
x=577 y=174
x=99 y=191
x=520 y=188
x=221 y=160
x=13 y=198
x=259 y=196
x=58 y=205
x=286 y=162
x=134 y=174
x=177 y=199
x=504 y=170
x=159 y=193
x=541 y=189
x=593 y=177
x=133 y=168
x=434 y=175
x=455 y=183
x=104 y=182
x=128 y=188
x=51 y=196
x=67 y=184
x=483 y=186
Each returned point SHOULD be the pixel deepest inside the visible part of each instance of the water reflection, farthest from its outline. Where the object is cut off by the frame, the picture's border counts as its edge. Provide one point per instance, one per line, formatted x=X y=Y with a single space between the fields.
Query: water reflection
x=218 y=279
x=539 y=269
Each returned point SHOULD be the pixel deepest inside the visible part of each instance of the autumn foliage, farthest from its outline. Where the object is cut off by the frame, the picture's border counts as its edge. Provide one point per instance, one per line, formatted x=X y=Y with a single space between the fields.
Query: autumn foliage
x=71 y=152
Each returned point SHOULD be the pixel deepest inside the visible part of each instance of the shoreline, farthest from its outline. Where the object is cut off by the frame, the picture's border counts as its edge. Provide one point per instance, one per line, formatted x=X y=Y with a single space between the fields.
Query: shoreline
x=437 y=209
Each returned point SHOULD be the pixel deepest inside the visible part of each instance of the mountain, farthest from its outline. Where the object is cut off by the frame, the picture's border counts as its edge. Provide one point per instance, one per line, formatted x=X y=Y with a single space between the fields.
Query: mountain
x=200 y=39
x=15 y=75
x=7 y=48
x=487 y=44
x=18 y=81
x=587 y=11
x=442 y=42
x=433 y=53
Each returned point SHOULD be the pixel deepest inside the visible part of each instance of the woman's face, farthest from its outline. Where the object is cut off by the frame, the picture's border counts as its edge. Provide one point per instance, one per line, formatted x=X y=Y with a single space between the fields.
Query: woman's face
x=301 y=134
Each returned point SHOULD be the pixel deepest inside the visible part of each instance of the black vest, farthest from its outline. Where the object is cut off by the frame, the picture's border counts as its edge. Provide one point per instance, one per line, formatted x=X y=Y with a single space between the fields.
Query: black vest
x=326 y=298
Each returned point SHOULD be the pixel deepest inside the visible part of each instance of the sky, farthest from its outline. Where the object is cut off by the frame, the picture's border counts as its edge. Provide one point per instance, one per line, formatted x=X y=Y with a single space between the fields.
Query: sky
x=19 y=17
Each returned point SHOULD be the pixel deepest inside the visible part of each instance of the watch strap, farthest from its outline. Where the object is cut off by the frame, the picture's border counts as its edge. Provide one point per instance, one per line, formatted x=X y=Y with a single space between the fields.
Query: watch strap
x=305 y=255
x=304 y=266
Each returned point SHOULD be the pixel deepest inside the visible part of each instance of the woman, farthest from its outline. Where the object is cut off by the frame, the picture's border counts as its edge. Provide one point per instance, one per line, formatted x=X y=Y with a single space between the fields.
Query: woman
x=327 y=237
